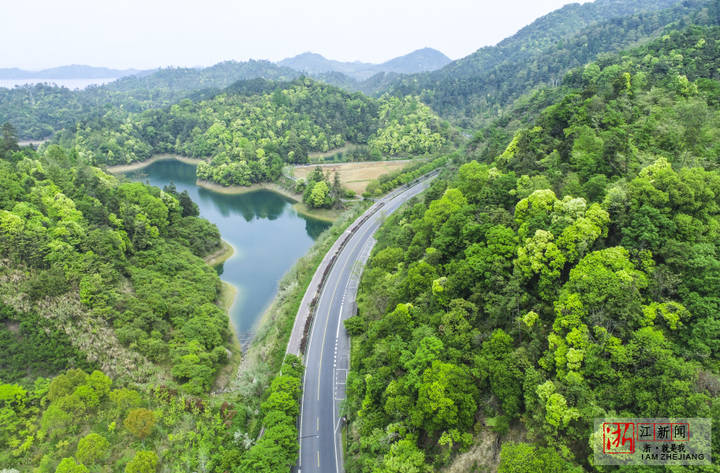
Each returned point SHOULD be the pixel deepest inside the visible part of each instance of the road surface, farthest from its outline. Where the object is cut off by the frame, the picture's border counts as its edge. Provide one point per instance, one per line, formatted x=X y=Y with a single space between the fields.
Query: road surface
x=328 y=350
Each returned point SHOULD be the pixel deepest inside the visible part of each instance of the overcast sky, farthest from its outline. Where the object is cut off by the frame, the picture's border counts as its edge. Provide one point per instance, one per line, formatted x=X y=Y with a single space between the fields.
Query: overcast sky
x=143 y=34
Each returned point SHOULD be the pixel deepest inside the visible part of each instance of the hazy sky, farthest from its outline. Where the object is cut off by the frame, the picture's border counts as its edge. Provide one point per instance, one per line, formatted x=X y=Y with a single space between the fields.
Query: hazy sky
x=149 y=33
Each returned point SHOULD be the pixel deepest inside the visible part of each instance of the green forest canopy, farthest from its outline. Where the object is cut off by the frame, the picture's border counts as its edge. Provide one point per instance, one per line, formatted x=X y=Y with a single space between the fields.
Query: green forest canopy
x=566 y=268
x=104 y=277
x=572 y=275
x=478 y=88
x=124 y=255
x=253 y=129
x=38 y=111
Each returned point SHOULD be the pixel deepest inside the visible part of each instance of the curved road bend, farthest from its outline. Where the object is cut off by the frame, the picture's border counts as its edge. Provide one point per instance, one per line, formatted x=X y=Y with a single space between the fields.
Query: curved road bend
x=328 y=353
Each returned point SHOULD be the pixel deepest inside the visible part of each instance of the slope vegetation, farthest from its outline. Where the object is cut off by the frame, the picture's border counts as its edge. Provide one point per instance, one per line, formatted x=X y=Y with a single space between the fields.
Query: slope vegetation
x=574 y=275
x=111 y=333
x=479 y=87
x=38 y=111
x=254 y=128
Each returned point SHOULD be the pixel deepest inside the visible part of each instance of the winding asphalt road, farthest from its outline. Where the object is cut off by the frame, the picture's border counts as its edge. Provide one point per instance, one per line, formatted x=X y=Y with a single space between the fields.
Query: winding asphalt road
x=328 y=353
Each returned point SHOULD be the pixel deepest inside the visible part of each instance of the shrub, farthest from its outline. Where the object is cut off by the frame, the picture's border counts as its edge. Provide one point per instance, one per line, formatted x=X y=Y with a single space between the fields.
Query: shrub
x=142 y=462
x=140 y=422
x=92 y=448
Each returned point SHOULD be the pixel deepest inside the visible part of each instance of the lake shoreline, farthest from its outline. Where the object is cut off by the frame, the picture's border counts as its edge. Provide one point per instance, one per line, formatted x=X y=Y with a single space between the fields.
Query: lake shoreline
x=137 y=166
x=220 y=189
x=238 y=190
x=220 y=256
x=326 y=215
x=322 y=214
x=226 y=300
x=255 y=228
x=228 y=291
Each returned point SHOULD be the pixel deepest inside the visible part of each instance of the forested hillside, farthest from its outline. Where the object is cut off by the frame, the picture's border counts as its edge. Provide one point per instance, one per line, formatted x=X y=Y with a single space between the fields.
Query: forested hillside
x=373 y=86
x=38 y=111
x=477 y=88
x=570 y=274
x=564 y=266
x=114 y=267
x=111 y=334
x=469 y=91
x=254 y=128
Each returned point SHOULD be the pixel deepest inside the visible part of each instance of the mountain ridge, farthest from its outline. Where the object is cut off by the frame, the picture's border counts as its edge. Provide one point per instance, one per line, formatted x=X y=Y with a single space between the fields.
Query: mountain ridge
x=460 y=90
x=421 y=60
x=70 y=71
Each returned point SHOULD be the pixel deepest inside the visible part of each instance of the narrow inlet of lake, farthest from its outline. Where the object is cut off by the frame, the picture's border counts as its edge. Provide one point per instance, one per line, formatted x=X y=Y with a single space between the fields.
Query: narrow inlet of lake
x=267 y=233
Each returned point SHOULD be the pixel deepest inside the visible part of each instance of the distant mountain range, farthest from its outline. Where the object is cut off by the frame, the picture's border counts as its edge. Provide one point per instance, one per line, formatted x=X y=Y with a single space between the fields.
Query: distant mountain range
x=422 y=60
x=69 y=72
x=469 y=92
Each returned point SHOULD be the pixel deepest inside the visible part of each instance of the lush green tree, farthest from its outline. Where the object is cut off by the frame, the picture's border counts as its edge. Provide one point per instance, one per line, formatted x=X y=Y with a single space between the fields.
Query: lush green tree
x=405 y=457
x=319 y=194
x=92 y=448
x=143 y=462
x=68 y=465
x=140 y=422
x=522 y=457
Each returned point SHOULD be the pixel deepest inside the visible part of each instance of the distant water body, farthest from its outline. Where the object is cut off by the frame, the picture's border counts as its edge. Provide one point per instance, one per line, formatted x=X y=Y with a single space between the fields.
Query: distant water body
x=73 y=84
x=267 y=233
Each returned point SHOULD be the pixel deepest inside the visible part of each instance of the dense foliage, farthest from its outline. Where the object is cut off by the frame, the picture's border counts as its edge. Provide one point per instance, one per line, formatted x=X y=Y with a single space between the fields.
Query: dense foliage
x=82 y=422
x=277 y=450
x=573 y=275
x=37 y=111
x=256 y=127
x=33 y=346
x=101 y=273
x=108 y=268
x=617 y=116
x=564 y=267
x=319 y=191
x=480 y=87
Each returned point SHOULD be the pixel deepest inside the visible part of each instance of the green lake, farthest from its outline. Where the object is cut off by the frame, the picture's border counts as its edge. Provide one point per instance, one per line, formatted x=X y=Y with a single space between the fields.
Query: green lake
x=268 y=235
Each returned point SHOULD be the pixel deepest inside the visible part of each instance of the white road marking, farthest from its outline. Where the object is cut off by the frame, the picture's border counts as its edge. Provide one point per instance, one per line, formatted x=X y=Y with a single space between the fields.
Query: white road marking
x=375 y=219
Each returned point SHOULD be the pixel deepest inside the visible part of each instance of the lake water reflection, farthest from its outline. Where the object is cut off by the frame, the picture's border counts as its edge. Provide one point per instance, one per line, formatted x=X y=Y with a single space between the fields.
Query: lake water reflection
x=267 y=233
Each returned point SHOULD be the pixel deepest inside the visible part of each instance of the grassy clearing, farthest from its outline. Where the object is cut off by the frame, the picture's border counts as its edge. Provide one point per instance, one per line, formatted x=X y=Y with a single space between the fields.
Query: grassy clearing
x=322 y=156
x=326 y=215
x=355 y=176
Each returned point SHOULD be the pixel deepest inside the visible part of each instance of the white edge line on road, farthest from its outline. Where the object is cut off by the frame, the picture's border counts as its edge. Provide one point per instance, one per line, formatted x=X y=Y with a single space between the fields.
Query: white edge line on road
x=309 y=349
x=374 y=219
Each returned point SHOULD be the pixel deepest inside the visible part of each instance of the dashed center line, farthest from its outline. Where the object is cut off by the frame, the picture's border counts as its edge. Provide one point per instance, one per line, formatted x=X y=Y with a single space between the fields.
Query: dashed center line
x=359 y=254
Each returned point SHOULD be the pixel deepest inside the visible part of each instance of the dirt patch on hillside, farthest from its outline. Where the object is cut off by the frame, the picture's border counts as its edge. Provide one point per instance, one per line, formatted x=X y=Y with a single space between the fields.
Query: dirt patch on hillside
x=354 y=176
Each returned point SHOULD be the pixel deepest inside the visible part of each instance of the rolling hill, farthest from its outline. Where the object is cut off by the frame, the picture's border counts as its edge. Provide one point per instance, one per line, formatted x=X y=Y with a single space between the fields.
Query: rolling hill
x=475 y=88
